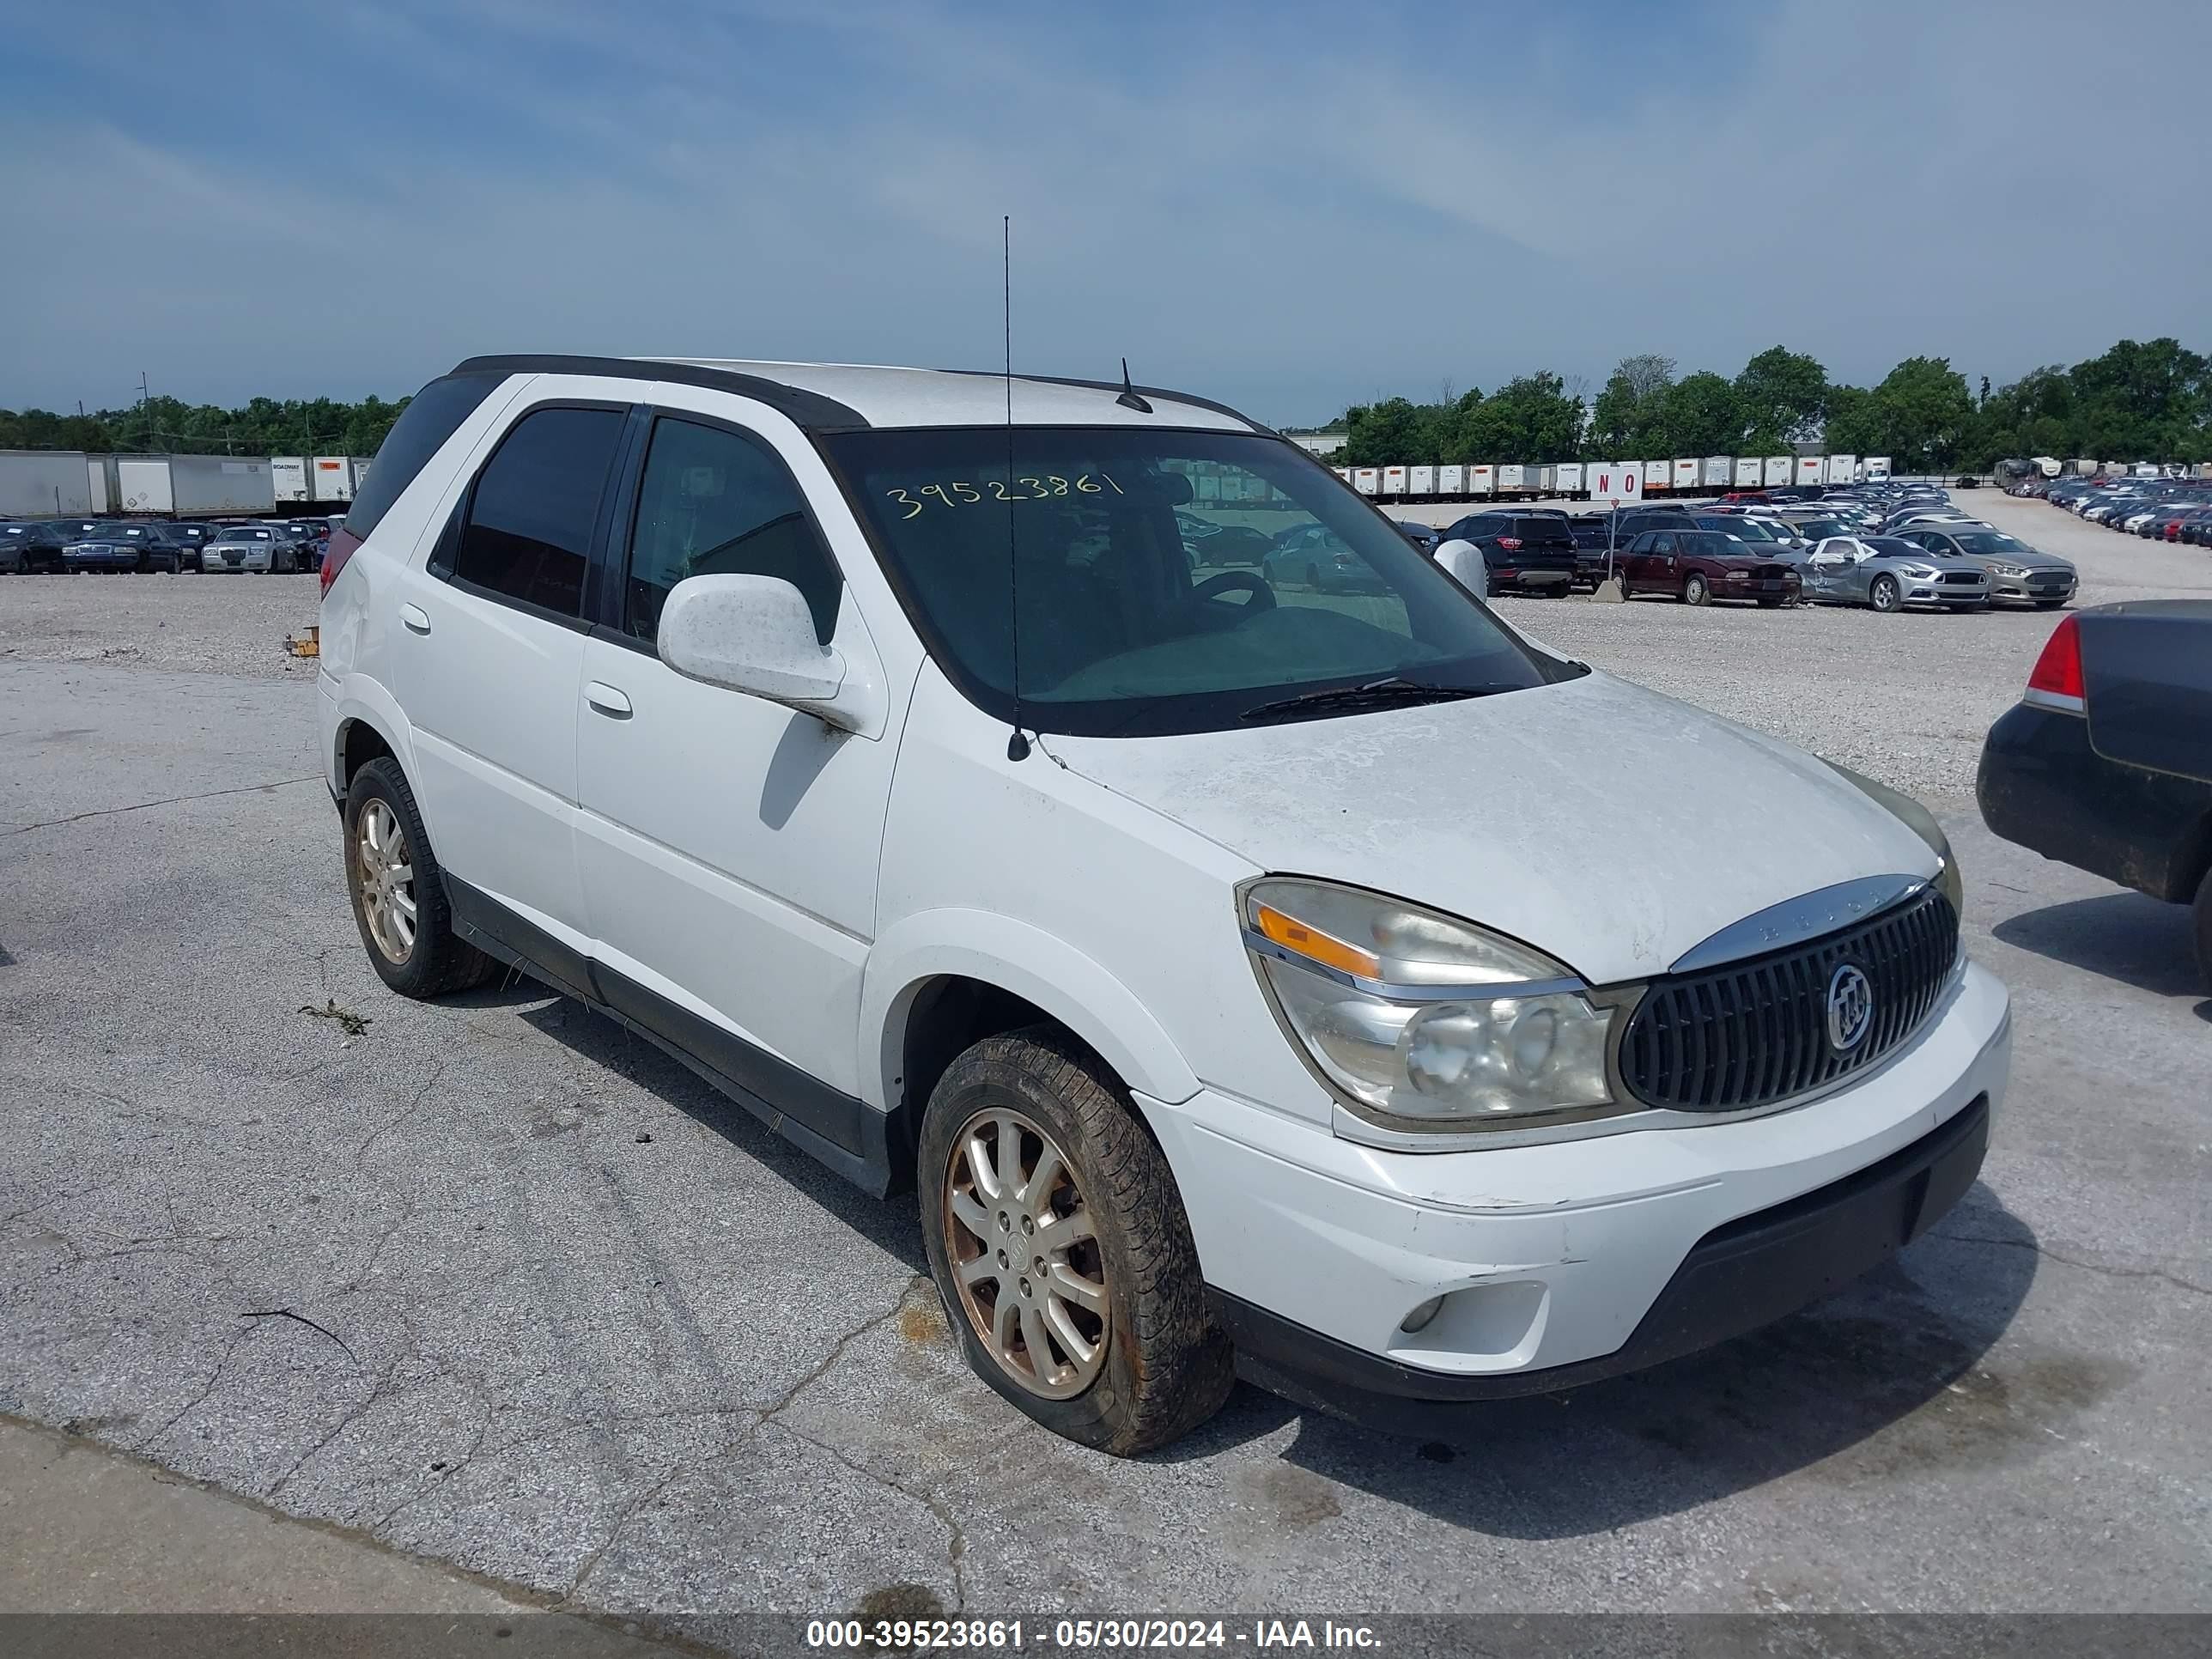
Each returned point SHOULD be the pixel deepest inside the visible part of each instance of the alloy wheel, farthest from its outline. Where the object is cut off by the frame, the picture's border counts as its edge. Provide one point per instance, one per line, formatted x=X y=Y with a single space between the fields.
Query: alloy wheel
x=1019 y=1240
x=387 y=881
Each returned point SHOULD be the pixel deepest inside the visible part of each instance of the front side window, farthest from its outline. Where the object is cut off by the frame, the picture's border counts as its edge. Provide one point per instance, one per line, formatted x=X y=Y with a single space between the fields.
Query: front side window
x=531 y=517
x=717 y=502
x=1131 y=626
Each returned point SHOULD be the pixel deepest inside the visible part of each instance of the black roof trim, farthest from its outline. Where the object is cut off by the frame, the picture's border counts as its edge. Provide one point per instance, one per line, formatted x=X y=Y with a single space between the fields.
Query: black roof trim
x=1117 y=387
x=808 y=410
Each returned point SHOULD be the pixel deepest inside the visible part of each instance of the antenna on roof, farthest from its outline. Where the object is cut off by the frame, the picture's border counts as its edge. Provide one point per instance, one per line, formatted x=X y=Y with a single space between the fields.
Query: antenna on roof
x=1018 y=746
x=1129 y=399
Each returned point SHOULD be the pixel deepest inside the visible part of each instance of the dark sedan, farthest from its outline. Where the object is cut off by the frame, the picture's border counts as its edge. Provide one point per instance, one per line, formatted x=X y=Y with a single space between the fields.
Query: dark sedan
x=35 y=545
x=1701 y=566
x=2105 y=763
x=120 y=546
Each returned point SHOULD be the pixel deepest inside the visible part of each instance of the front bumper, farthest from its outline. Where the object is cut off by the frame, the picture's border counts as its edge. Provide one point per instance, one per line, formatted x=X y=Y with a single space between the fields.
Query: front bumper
x=2027 y=590
x=1747 y=1274
x=118 y=561
x=210 y=561
x=1551 y=1257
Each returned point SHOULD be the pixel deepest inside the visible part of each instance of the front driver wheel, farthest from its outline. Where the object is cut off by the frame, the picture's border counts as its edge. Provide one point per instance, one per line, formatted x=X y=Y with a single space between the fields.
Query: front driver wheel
x=1060 y=1249
x=1884 y=593
x=1694 y=591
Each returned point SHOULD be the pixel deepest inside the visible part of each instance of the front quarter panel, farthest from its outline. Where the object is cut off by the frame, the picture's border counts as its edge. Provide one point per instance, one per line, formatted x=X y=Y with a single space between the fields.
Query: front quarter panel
x=1111 y=917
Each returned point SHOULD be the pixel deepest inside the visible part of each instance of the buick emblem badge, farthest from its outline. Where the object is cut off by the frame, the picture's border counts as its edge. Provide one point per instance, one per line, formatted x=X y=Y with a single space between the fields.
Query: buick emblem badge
x=1851 y=1009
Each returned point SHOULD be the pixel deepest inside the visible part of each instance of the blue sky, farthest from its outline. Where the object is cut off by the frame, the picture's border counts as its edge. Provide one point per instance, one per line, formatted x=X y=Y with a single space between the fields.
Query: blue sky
x=1290 y=206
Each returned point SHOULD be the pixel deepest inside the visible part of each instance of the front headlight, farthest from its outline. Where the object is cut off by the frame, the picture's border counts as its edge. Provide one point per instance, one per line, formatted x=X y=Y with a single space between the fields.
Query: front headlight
x=1922 y=822
x=1421 y=1021
x=2009 y=569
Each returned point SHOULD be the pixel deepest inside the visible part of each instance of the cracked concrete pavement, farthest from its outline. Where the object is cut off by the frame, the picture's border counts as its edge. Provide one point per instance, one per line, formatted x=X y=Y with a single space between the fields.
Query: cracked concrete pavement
x=496 y=1284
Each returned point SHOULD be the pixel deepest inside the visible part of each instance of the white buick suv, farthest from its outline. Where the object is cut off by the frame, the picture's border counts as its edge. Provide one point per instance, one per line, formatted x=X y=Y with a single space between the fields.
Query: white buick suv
x=1330 y=985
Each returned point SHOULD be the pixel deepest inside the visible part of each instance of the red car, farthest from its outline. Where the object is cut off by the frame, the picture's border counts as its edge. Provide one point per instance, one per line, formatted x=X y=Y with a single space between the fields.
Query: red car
x=1699 y=566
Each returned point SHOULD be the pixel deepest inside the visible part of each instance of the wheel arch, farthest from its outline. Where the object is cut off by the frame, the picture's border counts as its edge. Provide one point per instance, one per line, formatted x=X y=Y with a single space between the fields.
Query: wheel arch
x=937 y=981
x=369 y=723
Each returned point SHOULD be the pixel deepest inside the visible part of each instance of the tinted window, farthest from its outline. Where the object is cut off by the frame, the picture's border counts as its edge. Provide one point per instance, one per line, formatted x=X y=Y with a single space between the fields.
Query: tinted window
x=431 y=416
x=715 y=503
x=1119 y=636
x=1663 y=542
x=530 y=517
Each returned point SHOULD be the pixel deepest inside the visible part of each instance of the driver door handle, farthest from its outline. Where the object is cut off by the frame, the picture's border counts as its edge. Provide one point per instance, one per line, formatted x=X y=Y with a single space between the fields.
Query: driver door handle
x=416 y=619
x=610 y=702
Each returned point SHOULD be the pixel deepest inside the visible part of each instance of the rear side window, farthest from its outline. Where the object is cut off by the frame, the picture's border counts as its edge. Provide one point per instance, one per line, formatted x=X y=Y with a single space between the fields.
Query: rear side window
x=1544 y=531
x=432 y=416
x=531 y=517
x=718 y=502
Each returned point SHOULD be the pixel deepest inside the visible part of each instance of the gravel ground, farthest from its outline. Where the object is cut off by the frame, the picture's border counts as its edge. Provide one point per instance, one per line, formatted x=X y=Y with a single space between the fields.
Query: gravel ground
x=488 y=1281
x=195 y=624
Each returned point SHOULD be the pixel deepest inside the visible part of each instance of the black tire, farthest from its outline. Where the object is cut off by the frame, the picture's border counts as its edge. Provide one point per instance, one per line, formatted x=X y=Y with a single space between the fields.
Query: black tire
x=1769 y=605
x=1884 y=594
x=1165 y=1369
x=438 y=962
x=1313 y=577
x=2202 y=913
x=1696 y=590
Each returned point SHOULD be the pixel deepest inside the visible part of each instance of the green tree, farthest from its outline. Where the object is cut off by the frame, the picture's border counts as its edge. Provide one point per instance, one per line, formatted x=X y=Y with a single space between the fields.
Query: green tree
x=1529 y=419
x=1699 y=415
x=1626 y=414
x=1782 y=394
x=1920 y=417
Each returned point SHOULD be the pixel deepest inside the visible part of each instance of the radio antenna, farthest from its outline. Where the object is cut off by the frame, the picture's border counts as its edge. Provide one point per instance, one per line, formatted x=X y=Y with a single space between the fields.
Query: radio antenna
x=1018 y=746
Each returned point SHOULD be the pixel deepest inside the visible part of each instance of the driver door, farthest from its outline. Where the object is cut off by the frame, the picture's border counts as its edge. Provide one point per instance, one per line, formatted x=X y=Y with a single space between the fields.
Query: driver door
x=1827 y=571
x=727 y=846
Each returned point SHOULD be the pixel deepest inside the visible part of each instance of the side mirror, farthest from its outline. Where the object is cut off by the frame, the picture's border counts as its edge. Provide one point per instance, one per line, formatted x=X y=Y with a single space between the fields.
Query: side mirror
x=1464 y=563
x=756 y=635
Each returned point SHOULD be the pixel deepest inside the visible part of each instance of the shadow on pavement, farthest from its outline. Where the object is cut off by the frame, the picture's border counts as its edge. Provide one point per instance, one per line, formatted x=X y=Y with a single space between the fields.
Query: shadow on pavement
x=887 y=1223
x=2122 y=936
x=1894 y=1356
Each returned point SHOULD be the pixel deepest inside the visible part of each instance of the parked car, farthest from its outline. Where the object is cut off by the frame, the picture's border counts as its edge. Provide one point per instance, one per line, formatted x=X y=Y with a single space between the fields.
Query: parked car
x=2019 y=574
x=118 y=545
x=1594 y=547
x=1423 y=536
x=255 y=547
x=189 y=537
x=1228 y=977
x=31 y=546
x=1891 y=574
x=2105 y=763
x=1312 y=555
x=1699 y=566
x=1230 y=544
x=1523 y=552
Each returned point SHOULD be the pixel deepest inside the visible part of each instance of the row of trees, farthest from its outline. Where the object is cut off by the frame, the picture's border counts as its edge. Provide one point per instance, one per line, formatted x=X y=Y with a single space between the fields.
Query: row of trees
x=2139 y=401
x=265 y=426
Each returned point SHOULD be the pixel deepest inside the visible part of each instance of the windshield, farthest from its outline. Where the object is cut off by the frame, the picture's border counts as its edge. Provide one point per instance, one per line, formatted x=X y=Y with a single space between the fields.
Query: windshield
x=1169 y=581
x=1892 y=547
x=1744 y=530
x=236 y=534
x=1992 y=541
x=1817 y=528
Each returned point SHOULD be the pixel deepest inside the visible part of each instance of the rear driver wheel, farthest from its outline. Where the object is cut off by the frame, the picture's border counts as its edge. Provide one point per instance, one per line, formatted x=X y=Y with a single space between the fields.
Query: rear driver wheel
x=398 y=890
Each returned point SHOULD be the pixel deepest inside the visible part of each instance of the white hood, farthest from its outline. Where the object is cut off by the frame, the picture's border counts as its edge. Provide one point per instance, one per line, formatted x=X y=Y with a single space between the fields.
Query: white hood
x=1607 y=826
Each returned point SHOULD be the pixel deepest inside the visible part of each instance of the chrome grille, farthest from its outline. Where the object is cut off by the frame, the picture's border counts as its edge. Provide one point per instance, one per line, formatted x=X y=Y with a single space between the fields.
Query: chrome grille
x=1756 y=1031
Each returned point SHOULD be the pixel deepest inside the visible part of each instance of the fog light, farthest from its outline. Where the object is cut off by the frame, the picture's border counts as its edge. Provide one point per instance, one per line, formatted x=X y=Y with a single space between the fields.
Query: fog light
x=1421 y=1316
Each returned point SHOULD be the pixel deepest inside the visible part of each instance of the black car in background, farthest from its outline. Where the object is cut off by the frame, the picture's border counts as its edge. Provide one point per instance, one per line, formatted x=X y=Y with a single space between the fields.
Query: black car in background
x=31 y=546
x=2105 y=763
x=1525 y=551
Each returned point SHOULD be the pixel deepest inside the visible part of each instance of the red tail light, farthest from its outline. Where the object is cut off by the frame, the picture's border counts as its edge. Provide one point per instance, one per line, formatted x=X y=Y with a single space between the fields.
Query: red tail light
x=1510 y=543
x=2056 y=680
x=342 y=542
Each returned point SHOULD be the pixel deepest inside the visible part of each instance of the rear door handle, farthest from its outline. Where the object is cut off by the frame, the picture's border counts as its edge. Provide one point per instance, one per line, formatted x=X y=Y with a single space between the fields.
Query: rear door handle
x=416 y=619
x=607 y=700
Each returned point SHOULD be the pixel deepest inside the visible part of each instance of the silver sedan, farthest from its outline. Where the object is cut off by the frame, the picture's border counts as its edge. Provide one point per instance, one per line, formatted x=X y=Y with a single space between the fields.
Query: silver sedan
x=1891 y=574
x=2018 y=574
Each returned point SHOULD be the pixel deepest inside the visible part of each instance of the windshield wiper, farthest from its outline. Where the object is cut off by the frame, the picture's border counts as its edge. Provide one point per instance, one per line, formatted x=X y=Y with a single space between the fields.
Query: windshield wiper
x=1395 y=691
